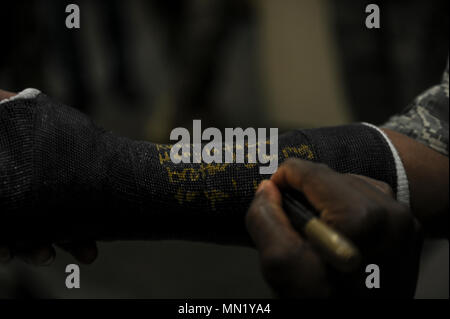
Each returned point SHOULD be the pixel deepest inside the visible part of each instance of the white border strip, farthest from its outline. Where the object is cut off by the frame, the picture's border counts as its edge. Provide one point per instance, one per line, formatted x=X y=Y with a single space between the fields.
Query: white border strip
x=402 y=178
x=25 y=94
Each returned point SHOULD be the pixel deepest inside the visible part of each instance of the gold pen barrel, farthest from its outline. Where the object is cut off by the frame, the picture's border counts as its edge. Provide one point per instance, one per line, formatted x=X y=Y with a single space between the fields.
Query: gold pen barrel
x=335 y=247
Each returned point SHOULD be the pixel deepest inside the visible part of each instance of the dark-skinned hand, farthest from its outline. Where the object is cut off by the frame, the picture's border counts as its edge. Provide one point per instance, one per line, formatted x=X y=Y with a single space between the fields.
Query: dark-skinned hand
x=359 y=207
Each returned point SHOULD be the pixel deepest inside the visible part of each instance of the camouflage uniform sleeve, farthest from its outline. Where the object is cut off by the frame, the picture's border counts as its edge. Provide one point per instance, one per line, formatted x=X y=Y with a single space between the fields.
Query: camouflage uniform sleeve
x=426 y=118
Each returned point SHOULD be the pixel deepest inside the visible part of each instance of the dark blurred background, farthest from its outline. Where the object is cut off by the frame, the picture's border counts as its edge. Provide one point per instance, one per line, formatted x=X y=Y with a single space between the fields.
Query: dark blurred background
x=141 y=68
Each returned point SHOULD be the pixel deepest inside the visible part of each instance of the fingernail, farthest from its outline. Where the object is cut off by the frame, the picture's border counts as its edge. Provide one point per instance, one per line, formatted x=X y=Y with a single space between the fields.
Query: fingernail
x=261 y=187
x=5 y=254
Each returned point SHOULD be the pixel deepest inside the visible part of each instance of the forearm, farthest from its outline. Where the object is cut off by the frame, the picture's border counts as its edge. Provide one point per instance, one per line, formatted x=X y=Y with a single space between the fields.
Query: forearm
x=63 y=173
x=427 y=172
x=420 y=134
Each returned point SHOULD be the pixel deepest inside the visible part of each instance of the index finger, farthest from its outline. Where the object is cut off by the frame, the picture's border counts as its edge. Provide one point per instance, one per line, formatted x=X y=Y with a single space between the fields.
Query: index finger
x=289 y=263
x=322 y=186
